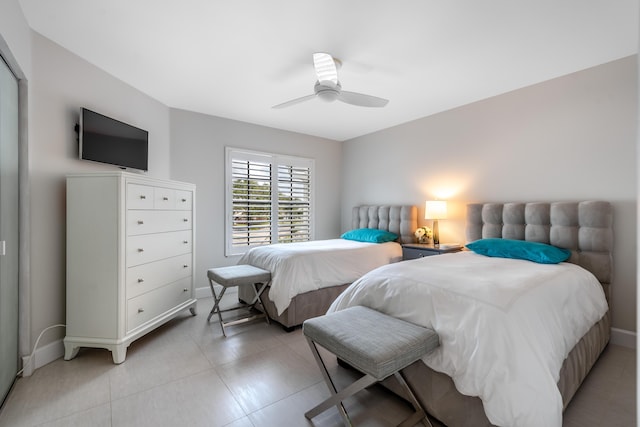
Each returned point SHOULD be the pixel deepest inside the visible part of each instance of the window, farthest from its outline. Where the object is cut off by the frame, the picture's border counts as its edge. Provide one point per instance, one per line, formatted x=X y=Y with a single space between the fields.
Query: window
x=268 y=199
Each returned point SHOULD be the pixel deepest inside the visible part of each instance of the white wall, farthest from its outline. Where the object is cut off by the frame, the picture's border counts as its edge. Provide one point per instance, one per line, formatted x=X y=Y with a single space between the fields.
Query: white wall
x=571 y=138
x=198 y=156
x=60 y=85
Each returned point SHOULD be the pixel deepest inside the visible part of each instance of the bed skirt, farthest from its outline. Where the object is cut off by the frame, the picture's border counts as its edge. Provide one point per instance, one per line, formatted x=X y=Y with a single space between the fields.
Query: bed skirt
x=302 y=307
x=439 y=397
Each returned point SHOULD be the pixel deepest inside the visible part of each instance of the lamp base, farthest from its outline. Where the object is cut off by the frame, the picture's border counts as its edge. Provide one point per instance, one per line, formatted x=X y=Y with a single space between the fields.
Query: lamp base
x=436 y=233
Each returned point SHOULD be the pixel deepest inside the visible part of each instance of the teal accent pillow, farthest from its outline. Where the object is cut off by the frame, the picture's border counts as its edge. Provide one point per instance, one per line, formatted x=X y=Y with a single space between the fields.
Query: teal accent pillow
x=520 y=249
x=370 y=235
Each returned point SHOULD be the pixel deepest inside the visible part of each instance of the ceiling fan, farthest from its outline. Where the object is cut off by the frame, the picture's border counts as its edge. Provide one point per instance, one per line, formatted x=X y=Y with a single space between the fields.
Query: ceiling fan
x=328 y=88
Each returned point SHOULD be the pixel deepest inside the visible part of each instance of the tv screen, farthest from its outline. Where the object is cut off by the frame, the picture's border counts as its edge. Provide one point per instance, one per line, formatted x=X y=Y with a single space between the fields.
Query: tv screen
x=106 y=140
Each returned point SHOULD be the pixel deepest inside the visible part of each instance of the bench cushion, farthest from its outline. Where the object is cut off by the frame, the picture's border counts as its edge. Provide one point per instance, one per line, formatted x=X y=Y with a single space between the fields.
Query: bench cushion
x=370 y=341
x=238 y=275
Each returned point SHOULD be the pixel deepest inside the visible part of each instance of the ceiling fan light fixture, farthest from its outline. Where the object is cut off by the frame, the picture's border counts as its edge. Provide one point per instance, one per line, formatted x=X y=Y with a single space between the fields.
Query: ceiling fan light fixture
x=328 y=95
x=328 y=88
x=325 y=67
x=327 y=91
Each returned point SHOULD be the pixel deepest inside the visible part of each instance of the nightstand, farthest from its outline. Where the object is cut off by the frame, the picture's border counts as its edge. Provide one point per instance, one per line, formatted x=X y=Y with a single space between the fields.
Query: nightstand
x=420 y=250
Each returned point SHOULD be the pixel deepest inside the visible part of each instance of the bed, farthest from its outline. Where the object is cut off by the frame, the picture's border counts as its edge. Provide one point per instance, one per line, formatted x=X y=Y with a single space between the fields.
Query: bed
x=307 y=277
x=522 y=373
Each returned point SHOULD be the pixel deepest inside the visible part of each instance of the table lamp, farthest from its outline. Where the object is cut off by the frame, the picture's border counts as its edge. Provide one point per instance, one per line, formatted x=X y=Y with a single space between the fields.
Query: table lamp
x=435 y=210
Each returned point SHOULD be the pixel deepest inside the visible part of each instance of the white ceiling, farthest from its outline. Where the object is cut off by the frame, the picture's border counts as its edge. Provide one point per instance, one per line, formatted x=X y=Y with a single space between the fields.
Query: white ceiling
x=236 y=59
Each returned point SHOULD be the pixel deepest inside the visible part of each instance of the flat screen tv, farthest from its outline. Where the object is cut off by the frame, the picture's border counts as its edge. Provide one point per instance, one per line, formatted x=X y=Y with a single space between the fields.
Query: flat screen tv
x=106 y=140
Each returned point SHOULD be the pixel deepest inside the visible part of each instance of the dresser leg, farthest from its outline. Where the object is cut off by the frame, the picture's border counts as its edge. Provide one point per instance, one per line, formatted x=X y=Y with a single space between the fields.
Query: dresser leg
x=193 y=311
x=119 y=353
x=70 y=351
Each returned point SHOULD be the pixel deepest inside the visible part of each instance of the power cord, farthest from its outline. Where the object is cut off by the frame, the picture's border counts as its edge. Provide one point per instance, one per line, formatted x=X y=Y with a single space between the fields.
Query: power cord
x=59 y=325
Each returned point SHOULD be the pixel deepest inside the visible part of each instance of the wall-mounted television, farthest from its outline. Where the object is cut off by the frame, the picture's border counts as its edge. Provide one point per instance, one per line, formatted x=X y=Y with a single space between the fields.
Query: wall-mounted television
x=106 y=140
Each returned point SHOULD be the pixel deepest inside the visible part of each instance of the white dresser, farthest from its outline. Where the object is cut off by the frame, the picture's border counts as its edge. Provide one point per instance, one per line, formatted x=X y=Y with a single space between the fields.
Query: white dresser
x=130 y=258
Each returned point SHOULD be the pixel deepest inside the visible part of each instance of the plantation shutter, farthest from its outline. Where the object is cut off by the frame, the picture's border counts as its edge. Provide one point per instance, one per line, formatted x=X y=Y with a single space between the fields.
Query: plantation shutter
x=269 y=200
x=294 y=200
x=251 y=203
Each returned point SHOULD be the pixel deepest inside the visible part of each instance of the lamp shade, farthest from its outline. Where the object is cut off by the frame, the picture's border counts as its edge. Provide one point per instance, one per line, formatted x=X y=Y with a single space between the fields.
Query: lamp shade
x=435 y=209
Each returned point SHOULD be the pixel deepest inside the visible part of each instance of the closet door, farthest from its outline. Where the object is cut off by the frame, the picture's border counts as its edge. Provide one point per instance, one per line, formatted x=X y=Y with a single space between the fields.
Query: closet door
x=8 y=229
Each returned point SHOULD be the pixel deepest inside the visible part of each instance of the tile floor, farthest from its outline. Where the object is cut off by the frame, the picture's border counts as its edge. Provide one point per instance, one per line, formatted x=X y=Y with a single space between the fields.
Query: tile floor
x=186 y=373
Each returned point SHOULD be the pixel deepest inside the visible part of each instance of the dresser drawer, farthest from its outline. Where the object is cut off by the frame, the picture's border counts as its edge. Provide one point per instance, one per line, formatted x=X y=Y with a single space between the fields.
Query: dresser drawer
x=411 y=253
x=164 y=198
x=147 y=222
x=168 y=198
x=421 y=250
x=153 y=247
x=184 y=200
x=139 y=196
x=146 y=277
x=147 y=306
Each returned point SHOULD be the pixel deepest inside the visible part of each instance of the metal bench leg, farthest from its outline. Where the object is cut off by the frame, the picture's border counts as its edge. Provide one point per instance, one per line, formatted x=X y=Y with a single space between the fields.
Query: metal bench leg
x=216 y=305
x=216 y=300
x=336 y=396
x=258 y=299
x=419 y=414
x=327 y=378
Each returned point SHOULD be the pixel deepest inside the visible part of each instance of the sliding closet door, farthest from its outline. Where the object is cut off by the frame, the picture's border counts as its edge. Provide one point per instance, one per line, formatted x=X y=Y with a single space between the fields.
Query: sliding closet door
x=8 y=229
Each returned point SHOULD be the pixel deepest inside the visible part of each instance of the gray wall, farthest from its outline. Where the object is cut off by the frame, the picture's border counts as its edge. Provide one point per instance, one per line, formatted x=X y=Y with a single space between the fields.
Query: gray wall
x=198 y=155
x=571 y=138
x=60 y=85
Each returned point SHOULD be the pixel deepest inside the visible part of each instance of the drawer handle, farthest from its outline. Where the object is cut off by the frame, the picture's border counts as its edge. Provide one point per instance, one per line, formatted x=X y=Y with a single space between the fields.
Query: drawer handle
x=185 y=219
x=165 y=198
x=184 y=200
x=140 y=280
x=141 y=310
x=185 y=290
x=140 y=250
x=140 y=222
x=185 y=266
x=185 y=241
x=142 y=196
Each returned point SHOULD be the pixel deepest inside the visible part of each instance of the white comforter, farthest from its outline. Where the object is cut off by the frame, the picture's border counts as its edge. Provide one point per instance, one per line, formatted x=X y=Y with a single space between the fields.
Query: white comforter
x=505 y=325
x=297 y=268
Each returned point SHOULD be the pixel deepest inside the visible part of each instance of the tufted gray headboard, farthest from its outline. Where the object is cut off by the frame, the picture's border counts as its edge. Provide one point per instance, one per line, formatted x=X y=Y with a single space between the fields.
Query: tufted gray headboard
x=583 y=227
x=400 y=219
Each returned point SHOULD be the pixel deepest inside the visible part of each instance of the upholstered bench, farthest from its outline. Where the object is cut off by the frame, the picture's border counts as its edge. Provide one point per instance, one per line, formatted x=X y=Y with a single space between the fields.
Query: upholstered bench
x=238 y=275
x=375 y=344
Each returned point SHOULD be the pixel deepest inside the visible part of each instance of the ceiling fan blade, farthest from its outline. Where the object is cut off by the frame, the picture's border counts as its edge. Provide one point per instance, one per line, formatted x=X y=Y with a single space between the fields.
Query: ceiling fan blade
x=362 y=100
x=325 y=67
x=295 y=101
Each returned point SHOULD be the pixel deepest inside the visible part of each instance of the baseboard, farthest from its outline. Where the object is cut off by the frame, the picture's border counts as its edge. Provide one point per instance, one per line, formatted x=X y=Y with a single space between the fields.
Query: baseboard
x=42 y=356
x=203 y=292
x=623 y=337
